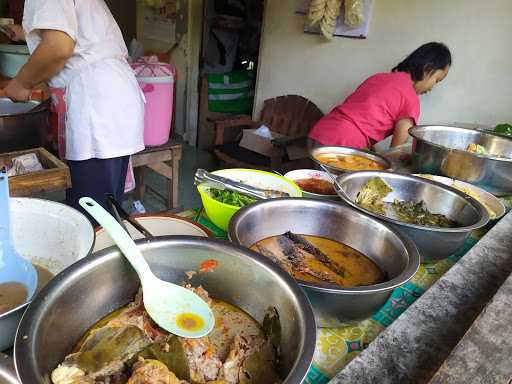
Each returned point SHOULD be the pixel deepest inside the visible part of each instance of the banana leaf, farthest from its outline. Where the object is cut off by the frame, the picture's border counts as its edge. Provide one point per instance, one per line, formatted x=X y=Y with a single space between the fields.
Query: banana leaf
x=173 y=357
x=106 y=350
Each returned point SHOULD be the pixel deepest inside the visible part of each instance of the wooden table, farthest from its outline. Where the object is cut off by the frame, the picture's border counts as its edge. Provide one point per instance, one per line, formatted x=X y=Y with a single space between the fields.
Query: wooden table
x=164 y=160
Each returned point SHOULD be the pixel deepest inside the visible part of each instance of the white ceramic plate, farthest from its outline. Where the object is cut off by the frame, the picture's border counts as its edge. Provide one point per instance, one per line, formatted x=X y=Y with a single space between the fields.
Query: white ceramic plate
x=158 y=225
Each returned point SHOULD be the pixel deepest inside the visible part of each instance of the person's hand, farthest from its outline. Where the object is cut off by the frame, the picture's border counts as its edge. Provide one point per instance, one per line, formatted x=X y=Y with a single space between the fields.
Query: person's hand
x=16 y=91
x=16 y=32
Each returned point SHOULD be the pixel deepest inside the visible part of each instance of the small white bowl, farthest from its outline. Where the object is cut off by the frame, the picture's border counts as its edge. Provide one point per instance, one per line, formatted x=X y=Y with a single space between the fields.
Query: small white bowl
x=159 y=225
x=311 y=174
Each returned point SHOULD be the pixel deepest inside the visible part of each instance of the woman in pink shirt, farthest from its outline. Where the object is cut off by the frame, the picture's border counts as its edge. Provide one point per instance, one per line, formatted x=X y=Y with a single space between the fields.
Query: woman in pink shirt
x=386 y=103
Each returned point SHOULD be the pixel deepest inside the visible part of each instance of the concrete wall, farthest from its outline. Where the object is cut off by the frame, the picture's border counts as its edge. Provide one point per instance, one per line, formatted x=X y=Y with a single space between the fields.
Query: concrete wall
x=477 y=90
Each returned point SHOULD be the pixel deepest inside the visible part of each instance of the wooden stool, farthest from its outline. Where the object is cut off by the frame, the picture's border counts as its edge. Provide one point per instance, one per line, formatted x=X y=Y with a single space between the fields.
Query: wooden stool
x=156 y=158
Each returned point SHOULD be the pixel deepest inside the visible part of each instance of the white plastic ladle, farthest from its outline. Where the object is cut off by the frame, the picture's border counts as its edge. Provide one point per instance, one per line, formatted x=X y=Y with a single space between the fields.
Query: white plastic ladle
x=176 y=309
x=13 y=267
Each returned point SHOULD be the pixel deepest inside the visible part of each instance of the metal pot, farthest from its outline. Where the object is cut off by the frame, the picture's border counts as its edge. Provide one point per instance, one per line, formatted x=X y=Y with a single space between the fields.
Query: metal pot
x=347 y=151
x=433 y=243
x=22 y=126
x=441 y=150
x=49 y=234
x=95 y=286
x=394 y=253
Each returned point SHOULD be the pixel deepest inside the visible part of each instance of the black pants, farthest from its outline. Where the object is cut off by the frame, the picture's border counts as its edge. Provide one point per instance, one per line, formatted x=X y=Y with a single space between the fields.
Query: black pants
x=96 y=178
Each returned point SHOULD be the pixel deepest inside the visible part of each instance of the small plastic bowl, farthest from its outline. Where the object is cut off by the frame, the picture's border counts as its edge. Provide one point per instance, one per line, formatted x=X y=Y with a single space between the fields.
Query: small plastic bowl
x=220 y=214
x=300 y=174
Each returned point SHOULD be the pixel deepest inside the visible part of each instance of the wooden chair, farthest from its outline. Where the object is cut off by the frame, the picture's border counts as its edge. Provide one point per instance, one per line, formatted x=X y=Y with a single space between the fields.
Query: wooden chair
x=290 y=115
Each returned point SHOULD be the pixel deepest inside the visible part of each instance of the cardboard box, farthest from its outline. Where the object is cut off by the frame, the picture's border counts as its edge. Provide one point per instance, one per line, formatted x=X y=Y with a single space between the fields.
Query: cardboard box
x=264 y=146
x=259 y=144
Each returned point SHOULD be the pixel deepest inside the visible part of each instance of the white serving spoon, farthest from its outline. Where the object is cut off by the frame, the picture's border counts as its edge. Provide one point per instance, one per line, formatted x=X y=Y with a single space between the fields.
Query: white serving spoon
x=176 y=309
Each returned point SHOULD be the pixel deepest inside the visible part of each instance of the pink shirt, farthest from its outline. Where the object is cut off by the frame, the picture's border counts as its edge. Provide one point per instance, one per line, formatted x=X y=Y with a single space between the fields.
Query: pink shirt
x=369 y=114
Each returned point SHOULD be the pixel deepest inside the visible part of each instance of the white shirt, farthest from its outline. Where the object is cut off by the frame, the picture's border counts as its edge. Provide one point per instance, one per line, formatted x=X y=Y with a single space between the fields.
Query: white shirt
x=105 y=107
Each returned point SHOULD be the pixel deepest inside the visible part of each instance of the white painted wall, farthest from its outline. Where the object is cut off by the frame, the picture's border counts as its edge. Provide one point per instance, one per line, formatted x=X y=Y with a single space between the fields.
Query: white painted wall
x=478 y=32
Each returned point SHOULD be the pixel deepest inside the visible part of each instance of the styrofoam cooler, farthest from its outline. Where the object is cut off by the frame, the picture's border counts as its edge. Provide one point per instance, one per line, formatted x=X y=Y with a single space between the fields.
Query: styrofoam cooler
x=156 y=80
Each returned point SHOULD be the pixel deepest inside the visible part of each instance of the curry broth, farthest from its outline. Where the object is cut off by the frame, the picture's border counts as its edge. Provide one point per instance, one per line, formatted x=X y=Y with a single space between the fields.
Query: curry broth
x=356 y=269
x=350 y=162
x=12 y=295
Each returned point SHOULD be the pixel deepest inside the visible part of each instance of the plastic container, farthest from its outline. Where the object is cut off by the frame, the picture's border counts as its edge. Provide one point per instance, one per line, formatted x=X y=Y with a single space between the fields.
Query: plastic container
x=156 y=80
x=220 y=214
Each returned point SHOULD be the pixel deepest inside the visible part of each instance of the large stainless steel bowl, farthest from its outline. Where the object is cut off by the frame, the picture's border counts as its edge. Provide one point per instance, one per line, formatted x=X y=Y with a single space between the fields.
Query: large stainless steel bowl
x=394 y=253
x=441 y=150
x=433 y=243
x=97 y=285
x=347 y=151
x=22 y=126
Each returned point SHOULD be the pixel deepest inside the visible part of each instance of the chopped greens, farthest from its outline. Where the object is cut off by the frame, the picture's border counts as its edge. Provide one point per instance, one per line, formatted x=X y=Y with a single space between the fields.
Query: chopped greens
x=231 y=198
x=372 y=195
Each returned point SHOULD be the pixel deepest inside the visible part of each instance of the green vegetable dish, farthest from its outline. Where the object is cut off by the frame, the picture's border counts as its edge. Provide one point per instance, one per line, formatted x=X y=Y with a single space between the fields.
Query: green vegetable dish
x=504 y=129
x=372 y=195
x=231 y=198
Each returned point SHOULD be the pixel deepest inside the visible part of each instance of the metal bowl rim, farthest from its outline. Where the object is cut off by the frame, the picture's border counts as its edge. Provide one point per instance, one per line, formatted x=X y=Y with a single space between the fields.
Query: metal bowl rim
x=407 y=273
x=481 y=210
x=350 y=150
x=299 y=369
x=413 y=130
x=502 y=210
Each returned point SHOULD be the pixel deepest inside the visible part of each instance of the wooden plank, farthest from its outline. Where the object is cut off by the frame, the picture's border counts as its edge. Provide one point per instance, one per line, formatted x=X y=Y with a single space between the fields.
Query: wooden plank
x=47 y=181
x=141 y=159
x=162 y=169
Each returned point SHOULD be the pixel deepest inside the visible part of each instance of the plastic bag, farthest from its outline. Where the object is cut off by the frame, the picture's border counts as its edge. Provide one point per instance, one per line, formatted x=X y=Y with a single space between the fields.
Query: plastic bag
x=354 y=13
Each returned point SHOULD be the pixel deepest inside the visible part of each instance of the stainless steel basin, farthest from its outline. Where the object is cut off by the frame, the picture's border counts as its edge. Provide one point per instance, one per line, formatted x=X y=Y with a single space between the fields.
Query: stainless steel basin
x=394 y=253
x=347 y=151
x=97 y=285
x=441 y=150
x=433 y=243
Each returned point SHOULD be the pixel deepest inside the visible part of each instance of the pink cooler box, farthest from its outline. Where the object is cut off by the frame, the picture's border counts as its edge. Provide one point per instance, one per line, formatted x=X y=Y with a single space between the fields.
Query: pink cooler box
x=156 y=80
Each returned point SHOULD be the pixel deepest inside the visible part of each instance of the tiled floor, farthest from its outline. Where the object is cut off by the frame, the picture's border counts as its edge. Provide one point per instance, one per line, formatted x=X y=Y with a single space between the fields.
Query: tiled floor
x=192 y=159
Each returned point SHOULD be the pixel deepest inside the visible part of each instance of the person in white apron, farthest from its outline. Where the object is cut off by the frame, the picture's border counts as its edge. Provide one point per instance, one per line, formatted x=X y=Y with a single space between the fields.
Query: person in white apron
x=77 y=47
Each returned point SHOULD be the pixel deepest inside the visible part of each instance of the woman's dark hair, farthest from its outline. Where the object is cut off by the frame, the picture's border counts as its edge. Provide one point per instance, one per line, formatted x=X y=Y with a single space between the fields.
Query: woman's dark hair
x=429 y=57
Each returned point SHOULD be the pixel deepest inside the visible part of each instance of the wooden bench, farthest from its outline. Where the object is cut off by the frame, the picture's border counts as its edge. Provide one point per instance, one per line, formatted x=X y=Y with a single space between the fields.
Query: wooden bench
x=165 y=161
